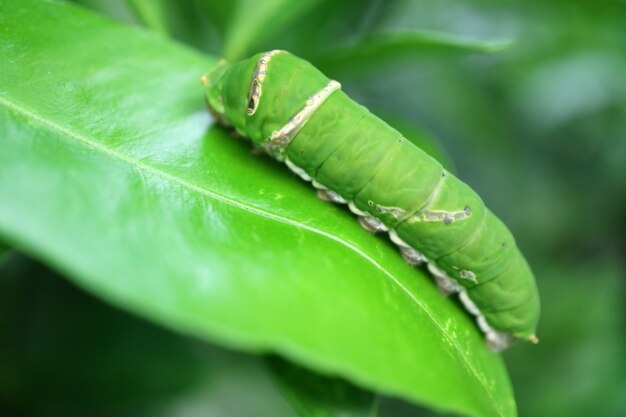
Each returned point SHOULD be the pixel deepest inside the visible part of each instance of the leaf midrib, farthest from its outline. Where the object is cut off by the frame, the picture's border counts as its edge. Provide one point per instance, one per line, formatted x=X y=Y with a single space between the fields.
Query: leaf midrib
x=137 y=164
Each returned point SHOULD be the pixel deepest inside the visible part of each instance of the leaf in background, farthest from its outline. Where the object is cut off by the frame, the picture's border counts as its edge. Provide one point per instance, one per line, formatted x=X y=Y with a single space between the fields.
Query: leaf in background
x=198 y=23
x=63 y=352
x=381 y=47
x=585 y=352
x=4 y=251
x=115 y=9
x=328 y=24
x=106 y=125
x=218 y=11
x=313 y=395
x=252 y=21
x=151 y=13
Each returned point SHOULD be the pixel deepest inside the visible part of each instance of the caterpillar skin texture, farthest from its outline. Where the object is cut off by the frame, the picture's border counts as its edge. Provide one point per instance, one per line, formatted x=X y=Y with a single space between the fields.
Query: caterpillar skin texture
x=296 y=114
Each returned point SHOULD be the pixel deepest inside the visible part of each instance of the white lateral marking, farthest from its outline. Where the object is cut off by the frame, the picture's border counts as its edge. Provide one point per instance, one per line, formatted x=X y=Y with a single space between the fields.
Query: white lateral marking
x=319 y=186
x=297 y=170
x=393 y=235
x=355 y=209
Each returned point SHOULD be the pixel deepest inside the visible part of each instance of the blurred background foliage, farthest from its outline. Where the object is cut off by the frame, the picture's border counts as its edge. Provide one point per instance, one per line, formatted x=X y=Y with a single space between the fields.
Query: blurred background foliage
x=65 y=353
x=538 y=128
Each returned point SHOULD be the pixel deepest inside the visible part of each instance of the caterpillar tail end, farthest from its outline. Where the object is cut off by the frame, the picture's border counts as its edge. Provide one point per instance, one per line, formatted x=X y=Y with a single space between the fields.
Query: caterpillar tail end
x=497 y=341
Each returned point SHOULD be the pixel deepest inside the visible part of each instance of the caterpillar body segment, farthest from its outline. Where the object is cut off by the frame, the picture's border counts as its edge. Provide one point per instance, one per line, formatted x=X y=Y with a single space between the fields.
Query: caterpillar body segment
x=296 y=114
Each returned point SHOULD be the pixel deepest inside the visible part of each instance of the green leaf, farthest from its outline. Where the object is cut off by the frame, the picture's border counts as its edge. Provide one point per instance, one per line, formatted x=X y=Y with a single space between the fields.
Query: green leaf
x=116 y=9
x=4 y=251
x=253 y=21
x=218 y=11
x=111 y=171
x=198 y=23
x=151 y=13
x=381 y=47
x=63 y=352
x=313 y=395
x=590 y=347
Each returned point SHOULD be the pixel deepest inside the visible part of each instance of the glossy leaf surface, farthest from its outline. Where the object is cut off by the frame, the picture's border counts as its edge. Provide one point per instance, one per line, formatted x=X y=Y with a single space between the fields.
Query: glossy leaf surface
x=112 y=171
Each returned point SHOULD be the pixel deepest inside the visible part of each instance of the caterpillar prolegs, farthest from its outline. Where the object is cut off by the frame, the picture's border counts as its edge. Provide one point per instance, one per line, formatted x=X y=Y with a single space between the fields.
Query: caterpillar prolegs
x=299 y=116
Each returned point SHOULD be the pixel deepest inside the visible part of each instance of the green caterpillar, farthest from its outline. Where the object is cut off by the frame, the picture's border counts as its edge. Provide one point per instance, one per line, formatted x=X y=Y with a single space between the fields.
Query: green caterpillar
x=296 y=114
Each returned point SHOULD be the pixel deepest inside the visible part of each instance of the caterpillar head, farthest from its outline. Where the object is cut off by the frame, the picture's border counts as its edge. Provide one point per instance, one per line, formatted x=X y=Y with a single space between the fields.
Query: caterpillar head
x=233 y=92
x=213 y=83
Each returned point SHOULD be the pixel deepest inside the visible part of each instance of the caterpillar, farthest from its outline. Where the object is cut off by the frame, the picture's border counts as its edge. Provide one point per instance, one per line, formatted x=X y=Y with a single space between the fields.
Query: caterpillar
x=296 y=114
